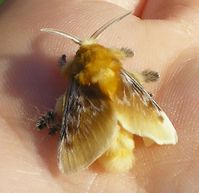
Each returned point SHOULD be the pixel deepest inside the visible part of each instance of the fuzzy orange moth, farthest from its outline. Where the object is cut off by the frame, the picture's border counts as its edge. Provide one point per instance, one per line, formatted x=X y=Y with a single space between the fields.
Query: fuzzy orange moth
x=103 y=107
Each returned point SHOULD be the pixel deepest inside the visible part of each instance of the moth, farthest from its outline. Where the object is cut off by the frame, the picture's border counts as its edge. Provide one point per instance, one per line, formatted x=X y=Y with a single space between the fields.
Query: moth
x=103 y=107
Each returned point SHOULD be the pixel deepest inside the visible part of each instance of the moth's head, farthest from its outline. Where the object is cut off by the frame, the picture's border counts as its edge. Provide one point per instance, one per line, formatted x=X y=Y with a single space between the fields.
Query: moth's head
x=93 y=38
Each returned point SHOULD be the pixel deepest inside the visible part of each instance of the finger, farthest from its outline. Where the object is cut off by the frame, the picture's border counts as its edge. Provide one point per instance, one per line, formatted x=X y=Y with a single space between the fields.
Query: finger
x=133 y=5
x=185 y=10
x=169 y=166
x=136 y=6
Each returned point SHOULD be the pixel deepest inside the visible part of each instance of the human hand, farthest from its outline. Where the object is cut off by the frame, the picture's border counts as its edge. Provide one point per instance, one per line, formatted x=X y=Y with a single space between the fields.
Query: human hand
x=30 y=78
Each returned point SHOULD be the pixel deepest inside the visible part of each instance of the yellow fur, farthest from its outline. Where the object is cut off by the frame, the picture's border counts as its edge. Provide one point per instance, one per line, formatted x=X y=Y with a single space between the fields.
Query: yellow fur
x=119 y=157
x=98 y=65
x=95 y=64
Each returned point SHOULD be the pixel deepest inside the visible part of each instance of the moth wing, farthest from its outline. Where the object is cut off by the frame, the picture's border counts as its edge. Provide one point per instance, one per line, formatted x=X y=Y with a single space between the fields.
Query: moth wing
x=88 y=128
x=140 y=114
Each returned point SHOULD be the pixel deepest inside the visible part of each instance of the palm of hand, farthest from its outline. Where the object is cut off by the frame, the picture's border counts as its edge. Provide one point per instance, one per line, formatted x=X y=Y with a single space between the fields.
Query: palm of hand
x=31 y=79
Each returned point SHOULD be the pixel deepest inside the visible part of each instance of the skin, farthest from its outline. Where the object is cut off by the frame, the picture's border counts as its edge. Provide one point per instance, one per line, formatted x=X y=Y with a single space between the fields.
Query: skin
x=30 y=80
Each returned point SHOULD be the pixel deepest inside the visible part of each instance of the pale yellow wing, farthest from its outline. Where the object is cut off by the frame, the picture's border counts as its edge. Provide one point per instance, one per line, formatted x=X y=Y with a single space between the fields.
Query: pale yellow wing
x=88 y=128
x=139 y=113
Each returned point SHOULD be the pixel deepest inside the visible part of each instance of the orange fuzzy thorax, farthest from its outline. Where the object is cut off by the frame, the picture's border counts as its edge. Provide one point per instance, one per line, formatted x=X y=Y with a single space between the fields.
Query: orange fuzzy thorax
x=98 y=65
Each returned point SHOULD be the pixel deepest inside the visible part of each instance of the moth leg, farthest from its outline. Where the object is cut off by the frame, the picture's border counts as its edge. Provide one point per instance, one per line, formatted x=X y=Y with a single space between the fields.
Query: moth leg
x=145 y=76
x=127 y=52
x=45 y=120
x=150 y=76
x=122 y=53
x=49 y=121
x=64 y=65
x=62 y=61
x=55 y=124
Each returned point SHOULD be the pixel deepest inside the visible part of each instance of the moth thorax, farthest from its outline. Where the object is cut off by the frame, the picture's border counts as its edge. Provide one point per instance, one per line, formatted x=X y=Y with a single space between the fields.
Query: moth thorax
x=99 y=66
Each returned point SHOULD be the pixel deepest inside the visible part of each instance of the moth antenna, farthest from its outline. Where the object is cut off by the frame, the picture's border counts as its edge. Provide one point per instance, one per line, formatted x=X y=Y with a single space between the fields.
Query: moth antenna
x=66 y=35
x=106 y=25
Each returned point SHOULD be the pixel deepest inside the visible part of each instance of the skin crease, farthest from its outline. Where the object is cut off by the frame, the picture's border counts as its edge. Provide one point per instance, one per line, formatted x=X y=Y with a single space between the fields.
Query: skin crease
x=30 y=80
